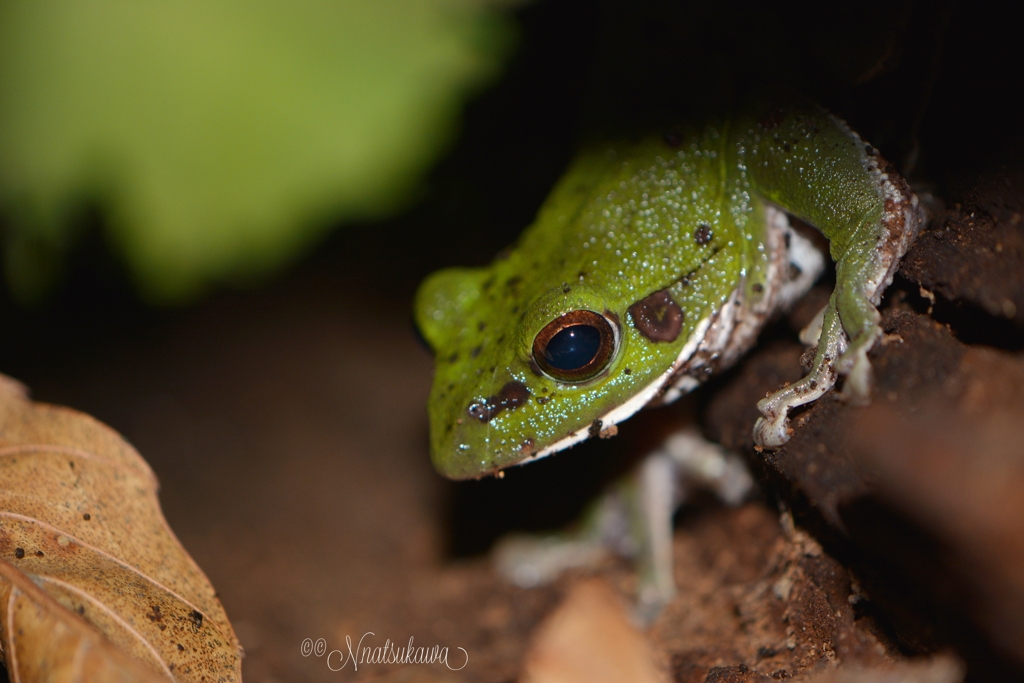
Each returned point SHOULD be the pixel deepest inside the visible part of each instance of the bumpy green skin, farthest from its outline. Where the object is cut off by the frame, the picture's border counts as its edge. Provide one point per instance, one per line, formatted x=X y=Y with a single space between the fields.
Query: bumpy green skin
x=618 y=227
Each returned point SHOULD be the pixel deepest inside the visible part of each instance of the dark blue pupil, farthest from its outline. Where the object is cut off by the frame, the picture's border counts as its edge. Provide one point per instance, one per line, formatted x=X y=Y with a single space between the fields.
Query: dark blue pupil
x=573 y=347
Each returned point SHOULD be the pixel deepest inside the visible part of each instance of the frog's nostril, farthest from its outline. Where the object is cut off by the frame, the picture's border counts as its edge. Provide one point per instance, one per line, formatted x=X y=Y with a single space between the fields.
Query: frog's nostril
x=511 y=396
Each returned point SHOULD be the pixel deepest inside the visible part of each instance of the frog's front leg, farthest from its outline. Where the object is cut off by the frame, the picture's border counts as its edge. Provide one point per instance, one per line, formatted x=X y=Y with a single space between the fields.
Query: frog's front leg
x=815 y=167
x=686 y=461
x=633 y=519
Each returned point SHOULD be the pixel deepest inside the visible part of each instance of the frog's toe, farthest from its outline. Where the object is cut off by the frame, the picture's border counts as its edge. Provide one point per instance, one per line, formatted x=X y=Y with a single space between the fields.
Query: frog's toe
x=811 y=333
x=650 y=604
x=771 y=433
x=772 y=430
x=530 y=561
x=857 y=368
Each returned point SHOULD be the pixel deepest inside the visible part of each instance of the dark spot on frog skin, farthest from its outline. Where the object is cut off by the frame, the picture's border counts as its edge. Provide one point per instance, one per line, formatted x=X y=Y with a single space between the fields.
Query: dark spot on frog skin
x=39 y=553
x=566 y=289
x=658 y=317
x=513 y=282
x=155 y=615
x=481 y=327
x=87 y=516
x=702 y=235
x=673 y=138
x=582 y=275
x=19 y=553
x=454 y=357
x=488 y=283
x=476 y=352
x=758 y=287
x=181 y=648
x=197 y=620
x=595 y=428
x=543 y=399
x=527 y=446
x=511 y=396
x=626 y=371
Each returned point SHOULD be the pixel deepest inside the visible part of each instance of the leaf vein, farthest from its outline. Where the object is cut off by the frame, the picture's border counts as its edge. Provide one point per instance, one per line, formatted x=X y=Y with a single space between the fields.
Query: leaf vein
x=115 y=560
x=128 y=627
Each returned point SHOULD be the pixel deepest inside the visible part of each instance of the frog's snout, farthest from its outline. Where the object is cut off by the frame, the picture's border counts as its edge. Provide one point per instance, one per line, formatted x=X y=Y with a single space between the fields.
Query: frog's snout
x=472 y=443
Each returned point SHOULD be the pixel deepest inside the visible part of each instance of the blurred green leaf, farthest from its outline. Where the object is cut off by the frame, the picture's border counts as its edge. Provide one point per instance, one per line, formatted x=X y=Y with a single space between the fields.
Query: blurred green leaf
x=220 y=137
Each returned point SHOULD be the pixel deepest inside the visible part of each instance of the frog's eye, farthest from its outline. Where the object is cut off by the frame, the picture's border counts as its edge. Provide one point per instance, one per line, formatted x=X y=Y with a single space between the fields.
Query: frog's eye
x=575 y=347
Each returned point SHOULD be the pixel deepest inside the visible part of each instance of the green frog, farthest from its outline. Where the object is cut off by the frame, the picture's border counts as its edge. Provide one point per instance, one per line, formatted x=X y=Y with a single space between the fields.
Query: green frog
x=653 y=264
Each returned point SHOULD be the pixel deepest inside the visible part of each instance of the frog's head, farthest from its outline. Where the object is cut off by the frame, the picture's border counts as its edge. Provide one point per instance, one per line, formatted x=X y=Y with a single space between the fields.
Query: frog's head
x=526 y=370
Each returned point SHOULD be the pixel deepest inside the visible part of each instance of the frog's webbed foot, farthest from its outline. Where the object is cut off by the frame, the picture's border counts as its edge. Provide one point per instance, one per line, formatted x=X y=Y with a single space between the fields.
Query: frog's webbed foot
x=772 y=430
x=633 y=519
x=530 y=561
x=849 y=329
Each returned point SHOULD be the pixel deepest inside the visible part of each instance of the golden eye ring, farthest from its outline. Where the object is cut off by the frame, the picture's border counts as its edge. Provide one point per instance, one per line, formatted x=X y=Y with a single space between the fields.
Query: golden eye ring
x=576 y=346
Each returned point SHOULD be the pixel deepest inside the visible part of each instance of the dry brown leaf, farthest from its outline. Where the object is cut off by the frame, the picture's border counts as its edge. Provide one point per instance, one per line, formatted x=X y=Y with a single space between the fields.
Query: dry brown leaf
x=62 y=647
x=80 y=520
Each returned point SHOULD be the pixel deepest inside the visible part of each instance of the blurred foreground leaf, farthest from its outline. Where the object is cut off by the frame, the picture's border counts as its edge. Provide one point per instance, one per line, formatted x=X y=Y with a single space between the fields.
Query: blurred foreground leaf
x=221 y=137
x=85 y=551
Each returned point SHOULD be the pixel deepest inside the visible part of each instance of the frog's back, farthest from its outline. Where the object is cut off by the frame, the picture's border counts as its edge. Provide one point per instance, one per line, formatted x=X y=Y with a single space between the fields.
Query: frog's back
x=632 y=218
